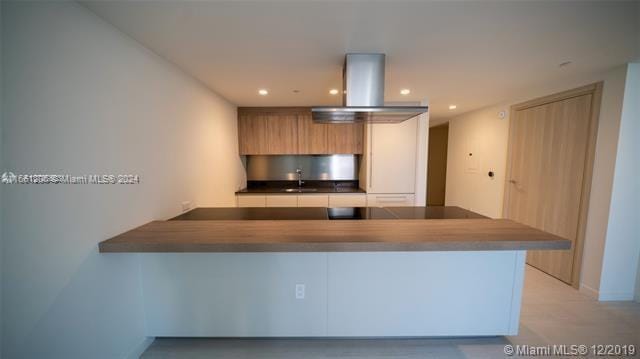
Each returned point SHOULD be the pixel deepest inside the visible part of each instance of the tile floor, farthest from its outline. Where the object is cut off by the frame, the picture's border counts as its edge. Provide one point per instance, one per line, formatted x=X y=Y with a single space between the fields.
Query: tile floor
x=552 y=313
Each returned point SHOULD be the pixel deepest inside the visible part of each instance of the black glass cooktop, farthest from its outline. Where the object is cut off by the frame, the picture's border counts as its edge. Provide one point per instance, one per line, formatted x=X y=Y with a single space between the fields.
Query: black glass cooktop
x=278 y=213
x=359 y=213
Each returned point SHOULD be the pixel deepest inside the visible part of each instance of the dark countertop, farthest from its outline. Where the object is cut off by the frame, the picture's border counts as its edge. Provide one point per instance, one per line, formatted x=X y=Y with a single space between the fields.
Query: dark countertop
x=321 y=213
x=279 y=213
x=433 y=212
x=309 y=187
x=248 y=236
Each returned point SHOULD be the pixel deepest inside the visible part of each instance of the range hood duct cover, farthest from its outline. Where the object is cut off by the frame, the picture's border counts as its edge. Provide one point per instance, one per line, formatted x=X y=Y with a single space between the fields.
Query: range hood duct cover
x=363 y=95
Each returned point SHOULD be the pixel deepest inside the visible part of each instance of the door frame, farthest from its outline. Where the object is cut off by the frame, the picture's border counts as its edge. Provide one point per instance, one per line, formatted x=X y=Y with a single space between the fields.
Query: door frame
x=595 y=90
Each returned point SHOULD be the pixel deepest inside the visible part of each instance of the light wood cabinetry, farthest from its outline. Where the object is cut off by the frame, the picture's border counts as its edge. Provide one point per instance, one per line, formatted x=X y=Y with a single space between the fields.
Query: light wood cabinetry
x=282 y=134
x=252 y=133
x=345 y=138
x=291 y=131
x=312 y=137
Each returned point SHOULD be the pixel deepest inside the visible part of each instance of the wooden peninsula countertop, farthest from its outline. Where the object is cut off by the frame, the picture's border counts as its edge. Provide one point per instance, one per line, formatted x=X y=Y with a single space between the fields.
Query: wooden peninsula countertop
x=478 y=234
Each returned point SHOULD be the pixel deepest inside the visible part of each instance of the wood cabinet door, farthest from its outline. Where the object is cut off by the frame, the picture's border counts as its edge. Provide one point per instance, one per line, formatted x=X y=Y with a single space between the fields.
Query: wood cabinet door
x=345 y=138
x=282 y=134
x=312 y=137
x=252 y=134
x=292 y=131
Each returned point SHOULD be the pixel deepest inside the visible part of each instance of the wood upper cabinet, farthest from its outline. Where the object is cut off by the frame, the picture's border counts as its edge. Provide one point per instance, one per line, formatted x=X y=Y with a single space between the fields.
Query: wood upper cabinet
x=282 y=134
x=345 y=138
x=312 y=137
x=291 y=131
x=252 y=134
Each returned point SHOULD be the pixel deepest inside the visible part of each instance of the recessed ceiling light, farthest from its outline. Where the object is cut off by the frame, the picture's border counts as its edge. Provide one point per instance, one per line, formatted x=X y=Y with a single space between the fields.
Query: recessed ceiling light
x=263 y=92
x=405 y=91
x=452 y=107
x=333 y=91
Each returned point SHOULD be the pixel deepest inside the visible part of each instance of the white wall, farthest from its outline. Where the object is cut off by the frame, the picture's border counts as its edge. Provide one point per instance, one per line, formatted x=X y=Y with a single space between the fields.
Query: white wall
x=637 y=297
x=483 y=132
x=1 y=187
x=622 y=246
x=82 y=98
x=485 y=135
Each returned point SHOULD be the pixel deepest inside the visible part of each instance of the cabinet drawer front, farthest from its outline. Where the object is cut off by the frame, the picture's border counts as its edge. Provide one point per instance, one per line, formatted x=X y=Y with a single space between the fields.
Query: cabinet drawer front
x=282 y=201
x=313 y=200
x=390 y=200
x=348 y=200
x=251 y=201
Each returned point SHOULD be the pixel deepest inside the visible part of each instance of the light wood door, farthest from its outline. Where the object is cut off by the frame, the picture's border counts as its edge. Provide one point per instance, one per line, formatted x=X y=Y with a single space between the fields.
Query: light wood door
x=282 y=134
x=548 y=173
x=312 y=137
x=345 y=138
x=252 y=134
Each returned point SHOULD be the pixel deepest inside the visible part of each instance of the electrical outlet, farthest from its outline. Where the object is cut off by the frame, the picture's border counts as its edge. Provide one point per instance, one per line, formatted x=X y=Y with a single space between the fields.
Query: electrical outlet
x=186 y=205
x=300 y=289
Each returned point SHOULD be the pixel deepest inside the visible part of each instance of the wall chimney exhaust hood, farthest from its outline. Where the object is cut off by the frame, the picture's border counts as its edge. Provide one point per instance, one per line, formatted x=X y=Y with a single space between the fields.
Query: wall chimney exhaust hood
x=363 y=95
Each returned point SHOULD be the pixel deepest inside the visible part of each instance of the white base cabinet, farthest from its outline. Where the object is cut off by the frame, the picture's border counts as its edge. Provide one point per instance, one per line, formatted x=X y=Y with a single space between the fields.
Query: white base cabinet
x=305 y=200
x=348 y=200
x=390 y=200
x=281 y=201
x=313 y=200
x=251 y=201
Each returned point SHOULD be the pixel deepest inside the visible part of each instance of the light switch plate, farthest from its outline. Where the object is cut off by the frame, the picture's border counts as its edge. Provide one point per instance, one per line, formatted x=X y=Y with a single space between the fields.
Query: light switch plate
x=300 y=291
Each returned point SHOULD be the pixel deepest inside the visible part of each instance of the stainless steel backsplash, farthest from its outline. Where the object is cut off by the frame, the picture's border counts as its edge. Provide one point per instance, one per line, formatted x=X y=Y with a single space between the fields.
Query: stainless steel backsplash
x=314 y=167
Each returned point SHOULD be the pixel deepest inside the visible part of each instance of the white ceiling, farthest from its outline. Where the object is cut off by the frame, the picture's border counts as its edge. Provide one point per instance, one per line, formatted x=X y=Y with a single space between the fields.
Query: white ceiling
x=471 y=54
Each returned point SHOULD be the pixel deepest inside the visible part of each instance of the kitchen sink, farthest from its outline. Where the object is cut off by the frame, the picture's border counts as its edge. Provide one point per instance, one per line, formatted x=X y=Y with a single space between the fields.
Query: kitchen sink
x=300 y=190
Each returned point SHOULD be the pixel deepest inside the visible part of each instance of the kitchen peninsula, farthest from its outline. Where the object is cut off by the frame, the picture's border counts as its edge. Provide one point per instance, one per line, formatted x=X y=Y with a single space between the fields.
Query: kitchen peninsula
x=318 y=272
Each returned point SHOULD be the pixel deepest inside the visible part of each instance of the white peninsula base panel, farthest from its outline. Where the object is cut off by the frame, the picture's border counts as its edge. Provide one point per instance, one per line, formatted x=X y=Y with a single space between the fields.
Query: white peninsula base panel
x=358 y=294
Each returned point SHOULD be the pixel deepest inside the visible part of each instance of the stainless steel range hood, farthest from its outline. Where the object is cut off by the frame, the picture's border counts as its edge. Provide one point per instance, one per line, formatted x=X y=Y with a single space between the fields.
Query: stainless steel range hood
x=363 y=95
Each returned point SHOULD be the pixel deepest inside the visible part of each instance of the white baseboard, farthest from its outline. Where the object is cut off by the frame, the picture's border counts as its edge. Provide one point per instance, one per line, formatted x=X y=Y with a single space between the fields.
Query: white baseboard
x=589 y=292
x=605 y=297
x=137 y=351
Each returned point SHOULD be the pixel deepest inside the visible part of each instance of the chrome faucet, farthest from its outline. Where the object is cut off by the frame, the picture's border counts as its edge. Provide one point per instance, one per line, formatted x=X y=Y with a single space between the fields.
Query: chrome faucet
x=300 y=181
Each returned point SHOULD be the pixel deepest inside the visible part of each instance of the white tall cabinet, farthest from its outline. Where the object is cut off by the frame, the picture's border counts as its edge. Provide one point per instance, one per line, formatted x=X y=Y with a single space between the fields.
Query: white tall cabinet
x=394 y=163
x=392 y=157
